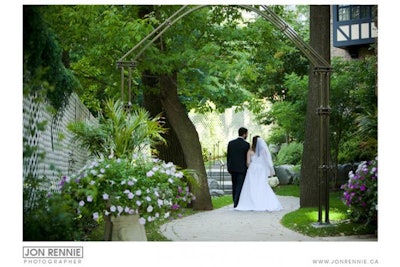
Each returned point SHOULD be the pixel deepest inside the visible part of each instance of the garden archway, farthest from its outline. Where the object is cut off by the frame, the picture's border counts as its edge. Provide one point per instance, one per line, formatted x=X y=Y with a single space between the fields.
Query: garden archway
x=320 y=66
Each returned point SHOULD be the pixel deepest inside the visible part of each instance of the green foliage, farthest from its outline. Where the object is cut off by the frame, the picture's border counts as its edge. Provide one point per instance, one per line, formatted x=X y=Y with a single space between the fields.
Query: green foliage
x=277 y=135
x=361 y=193
x=354 y=109
x=356 y=150
x=93 y=37
x=119 y=132
x=46 y=218
x=44 y=72
x=353 y=118
x=113 y=187
x=290 y=154
x=249 y=58
x=288 y=115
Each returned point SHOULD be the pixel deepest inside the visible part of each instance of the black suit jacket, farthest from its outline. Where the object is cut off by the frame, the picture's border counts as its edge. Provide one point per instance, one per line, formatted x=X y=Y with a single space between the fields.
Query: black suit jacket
x=237 y=155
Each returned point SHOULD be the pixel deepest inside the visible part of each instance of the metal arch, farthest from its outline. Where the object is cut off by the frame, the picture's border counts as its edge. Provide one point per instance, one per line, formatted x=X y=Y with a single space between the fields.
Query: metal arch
x=317 y=60
x=321 y=68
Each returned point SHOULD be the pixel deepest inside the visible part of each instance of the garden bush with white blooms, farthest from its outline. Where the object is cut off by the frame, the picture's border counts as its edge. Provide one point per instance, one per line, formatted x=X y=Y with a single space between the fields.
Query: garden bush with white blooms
x=146 y=186
x=361 y=193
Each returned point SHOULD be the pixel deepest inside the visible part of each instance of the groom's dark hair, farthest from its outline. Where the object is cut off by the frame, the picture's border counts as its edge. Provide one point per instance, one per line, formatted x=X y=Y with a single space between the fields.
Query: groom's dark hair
x=242 y=131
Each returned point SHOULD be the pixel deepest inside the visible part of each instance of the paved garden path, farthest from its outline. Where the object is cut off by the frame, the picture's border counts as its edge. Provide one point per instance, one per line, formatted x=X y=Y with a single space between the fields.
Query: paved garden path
x=227 y=224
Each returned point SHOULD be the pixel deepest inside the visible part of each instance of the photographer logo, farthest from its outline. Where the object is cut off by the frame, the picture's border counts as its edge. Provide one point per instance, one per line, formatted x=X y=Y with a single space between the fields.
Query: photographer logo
x=52 y=255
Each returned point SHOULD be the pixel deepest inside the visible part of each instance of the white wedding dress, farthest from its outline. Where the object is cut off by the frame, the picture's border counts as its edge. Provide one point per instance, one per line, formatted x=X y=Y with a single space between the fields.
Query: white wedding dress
x=257 y=194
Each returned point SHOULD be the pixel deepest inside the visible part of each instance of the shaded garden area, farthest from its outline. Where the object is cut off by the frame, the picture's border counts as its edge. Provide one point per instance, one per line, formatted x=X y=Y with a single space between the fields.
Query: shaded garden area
x=216 y=58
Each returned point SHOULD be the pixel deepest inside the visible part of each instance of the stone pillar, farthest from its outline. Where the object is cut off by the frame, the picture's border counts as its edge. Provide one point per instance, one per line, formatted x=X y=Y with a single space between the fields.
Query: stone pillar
x=127 y=228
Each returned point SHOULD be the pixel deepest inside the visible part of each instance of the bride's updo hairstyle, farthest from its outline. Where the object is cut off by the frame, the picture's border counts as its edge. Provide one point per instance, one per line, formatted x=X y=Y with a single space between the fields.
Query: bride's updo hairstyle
x=254 y=143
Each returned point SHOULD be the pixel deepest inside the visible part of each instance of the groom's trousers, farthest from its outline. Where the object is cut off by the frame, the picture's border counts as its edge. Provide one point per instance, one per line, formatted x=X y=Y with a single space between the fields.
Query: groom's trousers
x=237 y=184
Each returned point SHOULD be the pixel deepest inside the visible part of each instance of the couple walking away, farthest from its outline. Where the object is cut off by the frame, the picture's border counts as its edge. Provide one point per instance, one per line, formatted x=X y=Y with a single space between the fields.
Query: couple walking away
x=250 y=168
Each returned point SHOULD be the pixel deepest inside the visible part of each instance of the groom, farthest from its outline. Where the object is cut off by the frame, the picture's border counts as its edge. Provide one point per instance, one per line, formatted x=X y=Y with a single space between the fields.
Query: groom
x=236 y=161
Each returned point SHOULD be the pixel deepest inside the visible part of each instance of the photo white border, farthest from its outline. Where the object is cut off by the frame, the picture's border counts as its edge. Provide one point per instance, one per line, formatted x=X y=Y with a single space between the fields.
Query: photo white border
x=203 y=253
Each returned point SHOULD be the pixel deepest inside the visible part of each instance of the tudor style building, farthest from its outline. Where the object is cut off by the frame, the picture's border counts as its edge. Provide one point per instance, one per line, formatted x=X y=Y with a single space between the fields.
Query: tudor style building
x=354 y=29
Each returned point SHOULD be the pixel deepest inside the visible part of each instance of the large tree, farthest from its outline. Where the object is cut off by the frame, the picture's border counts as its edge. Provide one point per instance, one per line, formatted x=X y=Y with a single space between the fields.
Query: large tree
x=320 y=41
x=206 y=57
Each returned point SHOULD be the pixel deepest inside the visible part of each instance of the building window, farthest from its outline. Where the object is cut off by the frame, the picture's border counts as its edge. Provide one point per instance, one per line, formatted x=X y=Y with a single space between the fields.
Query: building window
x=355 y=12
x=346 y=12
x=365 y=12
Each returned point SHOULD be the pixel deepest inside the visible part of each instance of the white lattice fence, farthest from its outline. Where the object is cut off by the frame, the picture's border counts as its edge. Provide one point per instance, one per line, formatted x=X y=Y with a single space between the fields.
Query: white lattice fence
x=217 y=129
x=62 y=156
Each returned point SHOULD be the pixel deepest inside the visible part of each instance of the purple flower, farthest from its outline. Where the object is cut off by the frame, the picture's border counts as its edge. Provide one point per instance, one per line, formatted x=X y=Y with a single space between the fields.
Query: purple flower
x=62 y=182
x=142 y=221
x=120 y=209
x=363 y=187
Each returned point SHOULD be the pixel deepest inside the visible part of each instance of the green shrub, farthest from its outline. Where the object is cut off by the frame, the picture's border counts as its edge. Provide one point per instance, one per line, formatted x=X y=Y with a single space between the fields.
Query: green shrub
x=47 y=217
x=277 y=136
x=355 y=150
x=290 y=154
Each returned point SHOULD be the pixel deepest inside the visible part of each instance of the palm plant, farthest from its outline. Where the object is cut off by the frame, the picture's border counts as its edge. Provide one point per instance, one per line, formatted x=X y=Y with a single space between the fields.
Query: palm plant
x=367 y=127
x=119 y=132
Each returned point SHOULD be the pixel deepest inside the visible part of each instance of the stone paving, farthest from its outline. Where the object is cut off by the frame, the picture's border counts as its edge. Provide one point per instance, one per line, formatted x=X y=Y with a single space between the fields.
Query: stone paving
x=227 y=224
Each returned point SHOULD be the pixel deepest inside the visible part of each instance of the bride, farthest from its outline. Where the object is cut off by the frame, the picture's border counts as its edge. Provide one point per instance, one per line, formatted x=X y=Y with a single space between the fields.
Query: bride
x=256 y=193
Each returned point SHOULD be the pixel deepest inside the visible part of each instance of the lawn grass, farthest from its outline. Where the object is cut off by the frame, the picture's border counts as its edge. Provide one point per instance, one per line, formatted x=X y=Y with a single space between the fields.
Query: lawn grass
x=222 y=201
x=282 y=190
x=287 y=190
x=304 y=220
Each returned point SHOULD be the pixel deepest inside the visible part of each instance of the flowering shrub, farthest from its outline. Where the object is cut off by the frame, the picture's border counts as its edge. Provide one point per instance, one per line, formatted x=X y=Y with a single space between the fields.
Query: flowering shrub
x=149 y=187
x=361 y=192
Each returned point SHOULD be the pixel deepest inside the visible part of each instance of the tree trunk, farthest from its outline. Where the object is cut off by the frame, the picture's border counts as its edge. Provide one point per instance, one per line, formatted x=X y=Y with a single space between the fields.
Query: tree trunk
x=183 y=145
x=179 y=120
x=172 y=151
x=320 y=41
